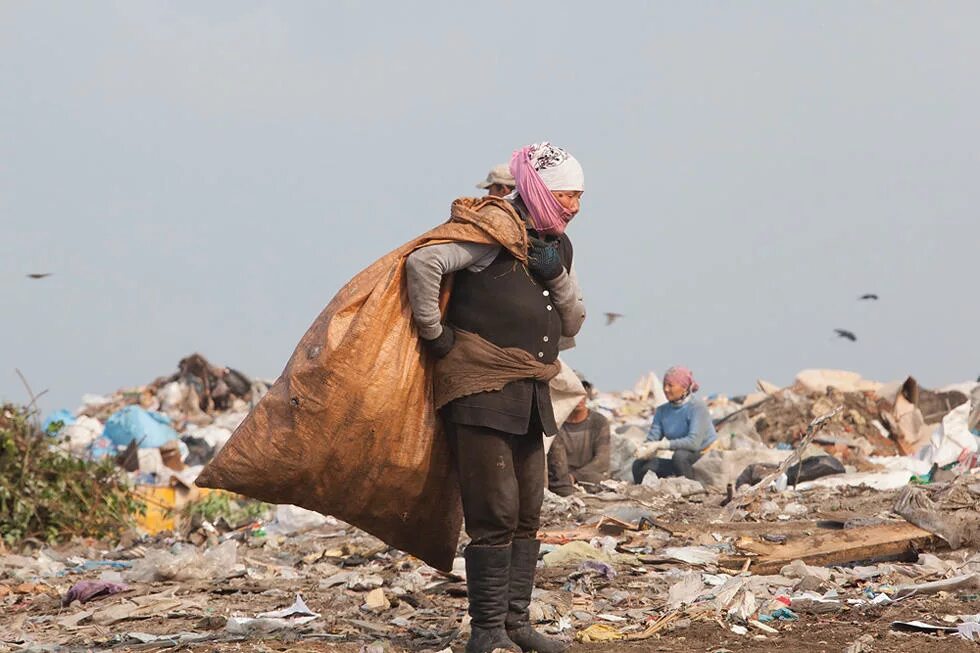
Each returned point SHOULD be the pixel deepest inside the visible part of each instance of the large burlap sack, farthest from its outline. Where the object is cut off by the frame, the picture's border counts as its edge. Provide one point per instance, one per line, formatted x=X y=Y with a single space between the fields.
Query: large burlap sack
x=349 y=427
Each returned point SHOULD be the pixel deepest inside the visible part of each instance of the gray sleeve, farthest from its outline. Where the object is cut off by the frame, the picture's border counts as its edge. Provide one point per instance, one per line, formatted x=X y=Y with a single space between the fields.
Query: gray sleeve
x=424 y=270
x=567 y=298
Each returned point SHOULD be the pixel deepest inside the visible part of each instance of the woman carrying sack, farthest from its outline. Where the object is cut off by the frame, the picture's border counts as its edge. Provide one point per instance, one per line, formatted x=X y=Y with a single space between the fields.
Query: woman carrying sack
x=496 y=348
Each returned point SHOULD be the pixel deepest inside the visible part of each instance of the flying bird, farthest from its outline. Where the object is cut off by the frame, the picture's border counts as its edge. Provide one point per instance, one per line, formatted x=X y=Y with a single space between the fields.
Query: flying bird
x=843 y=333
x=37 y=275
x=870 y=295
x=612 y=317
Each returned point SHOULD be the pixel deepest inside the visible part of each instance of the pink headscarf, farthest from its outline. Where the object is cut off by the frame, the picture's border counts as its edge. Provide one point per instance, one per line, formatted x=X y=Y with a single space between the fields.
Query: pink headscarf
x=683 y=377
x=539 y=169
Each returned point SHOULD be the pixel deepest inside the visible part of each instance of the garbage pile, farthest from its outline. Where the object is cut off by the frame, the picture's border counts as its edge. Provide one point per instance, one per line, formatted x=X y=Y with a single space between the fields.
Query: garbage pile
x=894 y=427
x=874 y=549
x=164 y=432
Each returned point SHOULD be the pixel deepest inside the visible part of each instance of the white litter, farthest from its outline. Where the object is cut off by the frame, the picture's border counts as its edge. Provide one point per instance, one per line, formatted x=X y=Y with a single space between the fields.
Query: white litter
x=266 y=622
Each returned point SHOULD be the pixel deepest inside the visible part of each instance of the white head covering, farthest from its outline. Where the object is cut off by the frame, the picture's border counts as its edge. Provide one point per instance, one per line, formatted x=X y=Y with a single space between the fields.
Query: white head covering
x=558 y=169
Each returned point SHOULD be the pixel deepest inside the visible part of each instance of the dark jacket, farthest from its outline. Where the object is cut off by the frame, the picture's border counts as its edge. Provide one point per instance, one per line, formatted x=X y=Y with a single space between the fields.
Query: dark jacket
x=506 y=305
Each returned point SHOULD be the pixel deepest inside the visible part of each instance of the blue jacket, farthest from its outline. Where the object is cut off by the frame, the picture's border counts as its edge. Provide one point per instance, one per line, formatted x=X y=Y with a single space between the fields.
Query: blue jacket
x=687 y=426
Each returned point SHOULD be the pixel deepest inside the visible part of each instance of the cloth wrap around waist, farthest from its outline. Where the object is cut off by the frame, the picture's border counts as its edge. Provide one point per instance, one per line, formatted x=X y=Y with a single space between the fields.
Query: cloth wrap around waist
x=476 y=365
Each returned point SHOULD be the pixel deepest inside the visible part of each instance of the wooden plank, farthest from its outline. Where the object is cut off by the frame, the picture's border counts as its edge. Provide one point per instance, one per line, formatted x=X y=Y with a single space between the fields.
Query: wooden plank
x=564 y=536
x=744 y=528
x=835 y=547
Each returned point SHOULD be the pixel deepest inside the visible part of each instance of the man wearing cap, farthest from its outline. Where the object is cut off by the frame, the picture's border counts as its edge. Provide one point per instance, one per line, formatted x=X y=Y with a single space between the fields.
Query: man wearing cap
x=505 y=318
x=499 y=181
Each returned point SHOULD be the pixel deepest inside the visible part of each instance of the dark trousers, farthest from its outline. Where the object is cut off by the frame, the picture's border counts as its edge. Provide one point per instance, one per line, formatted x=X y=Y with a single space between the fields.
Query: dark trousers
x=501 y=478
x=680 y=464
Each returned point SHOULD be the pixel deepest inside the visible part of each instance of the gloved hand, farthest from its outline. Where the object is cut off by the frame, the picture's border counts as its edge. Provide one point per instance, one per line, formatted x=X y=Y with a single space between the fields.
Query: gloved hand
x=543 y=260
x=442 y=345
x=649 y=450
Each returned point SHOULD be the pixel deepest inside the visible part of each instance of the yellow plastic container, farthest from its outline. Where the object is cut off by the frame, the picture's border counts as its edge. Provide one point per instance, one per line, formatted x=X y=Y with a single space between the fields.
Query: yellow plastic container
x=164 y=504
x=160 y=503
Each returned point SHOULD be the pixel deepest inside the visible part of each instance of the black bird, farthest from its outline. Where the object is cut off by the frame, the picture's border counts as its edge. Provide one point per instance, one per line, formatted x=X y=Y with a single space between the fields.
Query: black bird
x=40 y=275
x=870 y=295
x=612 y=317
x=843 y=333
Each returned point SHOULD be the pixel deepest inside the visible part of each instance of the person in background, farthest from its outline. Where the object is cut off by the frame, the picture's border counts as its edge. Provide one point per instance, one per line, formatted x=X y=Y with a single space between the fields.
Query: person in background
x=499 y=181
x=580 y=453
x=682 y=425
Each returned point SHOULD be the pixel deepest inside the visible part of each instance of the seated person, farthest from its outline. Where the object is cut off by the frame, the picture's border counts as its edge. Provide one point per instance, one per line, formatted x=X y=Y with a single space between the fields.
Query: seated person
x=682 y=425
x=580 y=452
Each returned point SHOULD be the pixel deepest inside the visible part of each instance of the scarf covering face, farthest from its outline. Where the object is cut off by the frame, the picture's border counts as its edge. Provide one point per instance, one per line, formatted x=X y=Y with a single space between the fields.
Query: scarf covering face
x=683 y=377
x=539 y=169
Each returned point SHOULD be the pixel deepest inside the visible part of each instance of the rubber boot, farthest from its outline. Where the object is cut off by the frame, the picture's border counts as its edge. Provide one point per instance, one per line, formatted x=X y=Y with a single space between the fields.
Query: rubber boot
x=487 y=579
x=523 y=560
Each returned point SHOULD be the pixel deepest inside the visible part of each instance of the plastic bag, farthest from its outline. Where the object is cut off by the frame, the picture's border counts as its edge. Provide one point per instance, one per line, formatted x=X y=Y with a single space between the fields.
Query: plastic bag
x=187 y=564
x=150 y=430
x=813 y=468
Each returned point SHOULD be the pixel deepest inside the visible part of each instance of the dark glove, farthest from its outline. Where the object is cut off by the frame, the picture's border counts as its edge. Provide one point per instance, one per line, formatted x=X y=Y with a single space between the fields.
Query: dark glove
x=442 y=345
x=543 y=260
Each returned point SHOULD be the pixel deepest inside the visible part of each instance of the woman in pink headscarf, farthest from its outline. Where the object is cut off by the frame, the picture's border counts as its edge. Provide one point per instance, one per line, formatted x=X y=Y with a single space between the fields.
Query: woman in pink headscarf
x=682 y=425
x=527 y=310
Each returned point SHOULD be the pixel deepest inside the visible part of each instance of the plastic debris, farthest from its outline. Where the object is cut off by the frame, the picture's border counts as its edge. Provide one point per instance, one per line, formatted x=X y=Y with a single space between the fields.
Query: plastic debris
x=133 y=423
x=604 y=569
x=812 y=603
x=188 y=564
x=969 y=631
x=574 y=552
x=966 y=581
x=685 y=591
x=693 y=555
x=295 y=615
x=293 y=519
x=88 y=590
x=780 y=614
x=922 y=627
x=62 y=416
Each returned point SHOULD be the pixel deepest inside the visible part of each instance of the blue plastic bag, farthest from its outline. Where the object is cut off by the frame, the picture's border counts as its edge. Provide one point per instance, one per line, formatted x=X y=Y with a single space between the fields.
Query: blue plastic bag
x=102 y=447
x=62 y=415
x=150 y=430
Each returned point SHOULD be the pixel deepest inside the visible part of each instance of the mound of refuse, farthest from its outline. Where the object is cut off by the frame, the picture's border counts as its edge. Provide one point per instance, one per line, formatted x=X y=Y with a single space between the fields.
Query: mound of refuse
x=881 y=427
x=167 y=429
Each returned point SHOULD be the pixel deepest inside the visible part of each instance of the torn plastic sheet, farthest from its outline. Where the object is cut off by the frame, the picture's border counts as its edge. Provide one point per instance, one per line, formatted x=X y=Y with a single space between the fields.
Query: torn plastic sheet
x=969 y=630
x=692 y=555
x=266 y=622
x=922 y=627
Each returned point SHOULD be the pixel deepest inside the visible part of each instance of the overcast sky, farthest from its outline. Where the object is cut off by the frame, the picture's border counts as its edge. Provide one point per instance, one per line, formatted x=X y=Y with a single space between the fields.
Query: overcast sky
x=205 y=176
